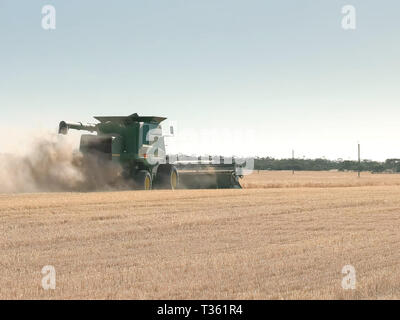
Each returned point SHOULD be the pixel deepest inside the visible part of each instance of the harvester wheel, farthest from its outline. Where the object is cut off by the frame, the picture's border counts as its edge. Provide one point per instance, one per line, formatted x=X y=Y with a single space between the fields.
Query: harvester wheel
x=167 y=177
x=143 y=180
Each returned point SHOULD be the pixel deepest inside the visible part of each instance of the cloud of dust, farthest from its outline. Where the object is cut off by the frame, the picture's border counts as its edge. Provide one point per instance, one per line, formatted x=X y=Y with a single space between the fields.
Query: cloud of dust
x=52 y=163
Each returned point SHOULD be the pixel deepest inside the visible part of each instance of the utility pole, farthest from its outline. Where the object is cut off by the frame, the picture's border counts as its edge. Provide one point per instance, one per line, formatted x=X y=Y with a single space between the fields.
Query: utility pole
x=359 y=160
x=292 y=161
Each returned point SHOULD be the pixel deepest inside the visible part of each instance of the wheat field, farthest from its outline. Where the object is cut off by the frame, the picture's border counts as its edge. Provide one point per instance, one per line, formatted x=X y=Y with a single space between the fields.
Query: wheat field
x=283 y=236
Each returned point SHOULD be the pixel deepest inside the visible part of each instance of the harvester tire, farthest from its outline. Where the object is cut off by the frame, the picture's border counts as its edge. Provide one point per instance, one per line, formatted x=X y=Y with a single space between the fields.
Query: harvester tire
x=167 y=177
x=143 y=180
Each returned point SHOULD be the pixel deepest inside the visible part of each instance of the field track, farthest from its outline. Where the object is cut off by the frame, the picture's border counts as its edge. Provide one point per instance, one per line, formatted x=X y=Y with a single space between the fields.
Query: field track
x=284 y=237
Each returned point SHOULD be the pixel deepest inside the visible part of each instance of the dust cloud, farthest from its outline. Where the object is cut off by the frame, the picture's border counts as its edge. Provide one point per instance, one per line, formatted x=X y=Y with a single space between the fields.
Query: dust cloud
x=52 y=164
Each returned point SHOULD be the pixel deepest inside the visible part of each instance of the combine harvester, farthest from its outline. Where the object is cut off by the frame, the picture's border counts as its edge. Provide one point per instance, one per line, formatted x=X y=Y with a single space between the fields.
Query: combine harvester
x=137 y=144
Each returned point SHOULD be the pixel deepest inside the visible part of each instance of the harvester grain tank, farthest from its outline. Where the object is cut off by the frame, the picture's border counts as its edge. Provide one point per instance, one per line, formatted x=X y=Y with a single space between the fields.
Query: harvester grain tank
x=137 y=143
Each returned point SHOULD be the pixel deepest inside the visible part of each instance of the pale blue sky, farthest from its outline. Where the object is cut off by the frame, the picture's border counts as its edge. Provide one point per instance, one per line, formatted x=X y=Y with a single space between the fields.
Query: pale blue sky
x=284 y=70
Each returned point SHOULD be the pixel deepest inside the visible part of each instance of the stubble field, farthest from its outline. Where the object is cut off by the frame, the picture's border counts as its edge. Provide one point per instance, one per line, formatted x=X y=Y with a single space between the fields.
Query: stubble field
x=282 y=237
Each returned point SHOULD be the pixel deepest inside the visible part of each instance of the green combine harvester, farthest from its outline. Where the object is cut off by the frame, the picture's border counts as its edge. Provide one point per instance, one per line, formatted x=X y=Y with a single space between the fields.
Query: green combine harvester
x=137 y=143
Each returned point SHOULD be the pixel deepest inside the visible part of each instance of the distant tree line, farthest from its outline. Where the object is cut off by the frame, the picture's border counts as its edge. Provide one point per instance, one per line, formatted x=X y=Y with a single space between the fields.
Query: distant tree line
x=390 y=165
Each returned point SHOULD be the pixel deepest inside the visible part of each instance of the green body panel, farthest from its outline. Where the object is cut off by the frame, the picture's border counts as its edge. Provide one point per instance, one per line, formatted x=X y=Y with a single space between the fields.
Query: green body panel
x=125 y=137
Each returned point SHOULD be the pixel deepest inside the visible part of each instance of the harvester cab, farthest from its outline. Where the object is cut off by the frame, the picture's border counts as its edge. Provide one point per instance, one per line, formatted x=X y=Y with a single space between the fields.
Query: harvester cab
x=137 y=143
